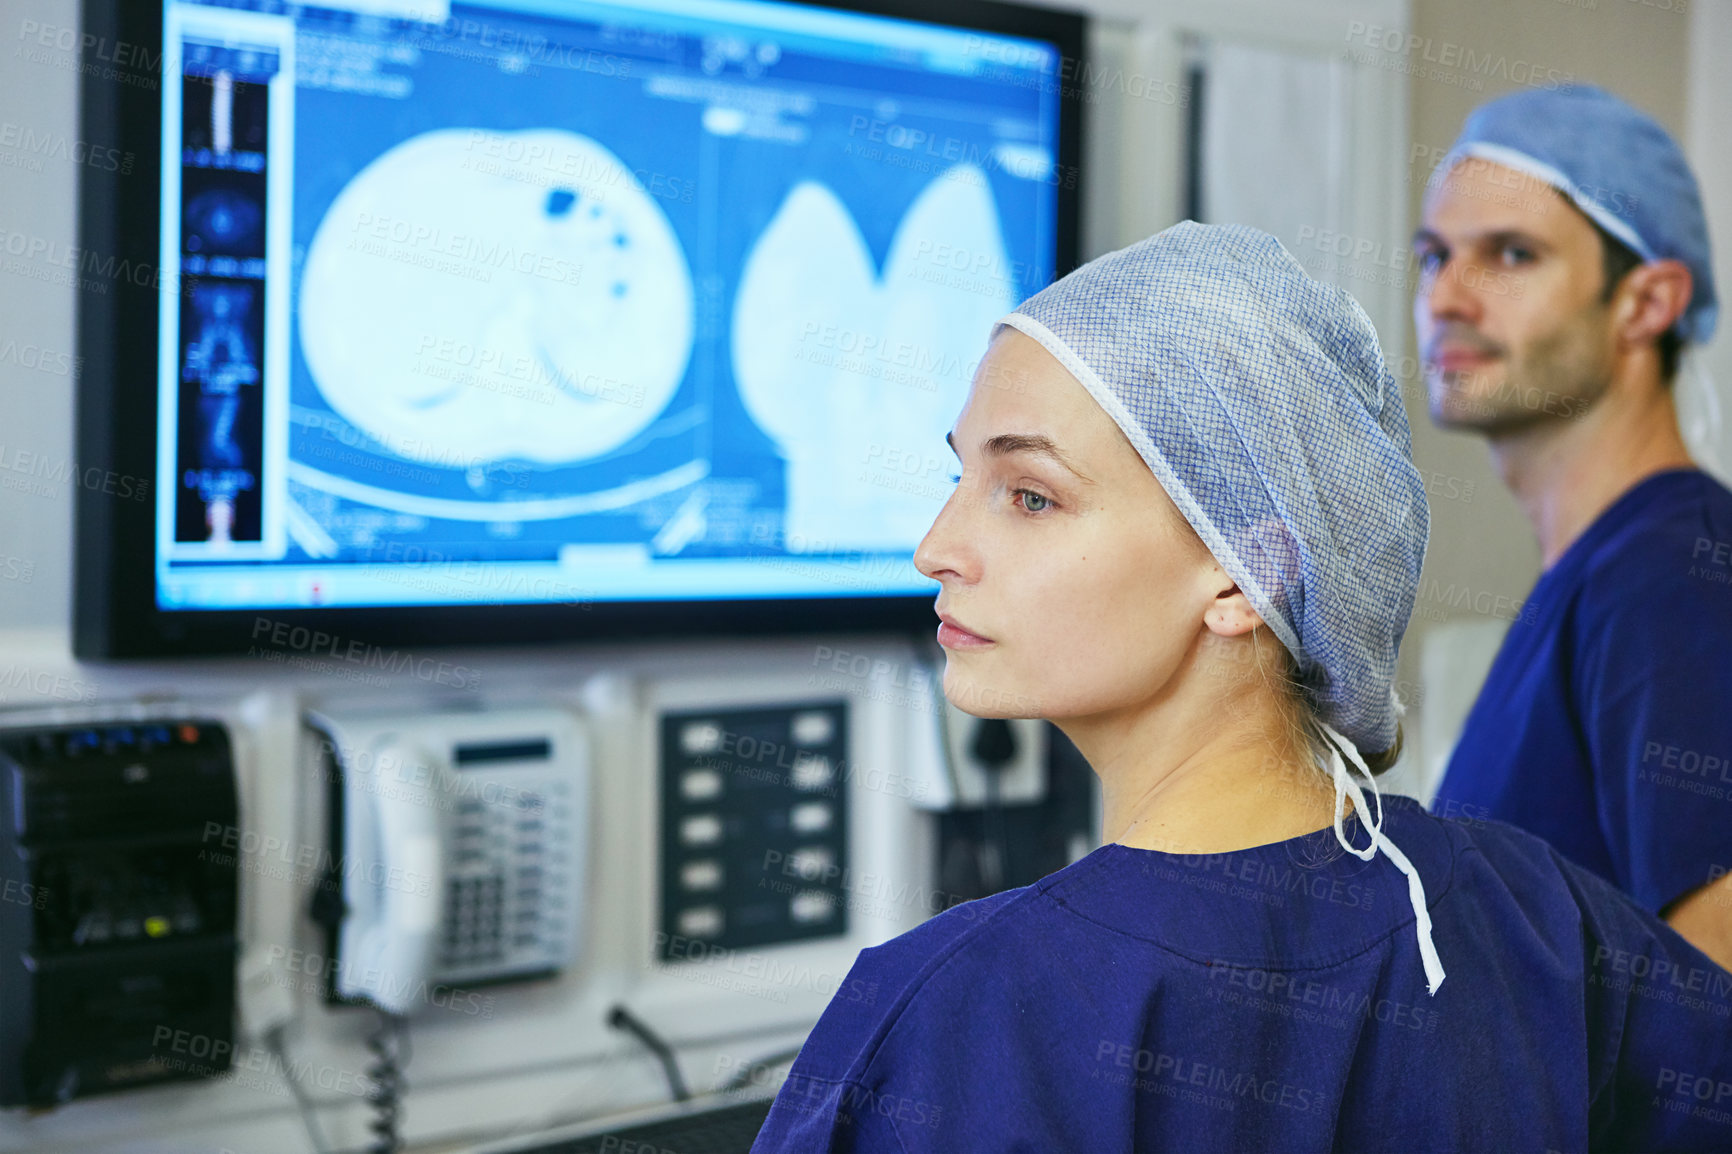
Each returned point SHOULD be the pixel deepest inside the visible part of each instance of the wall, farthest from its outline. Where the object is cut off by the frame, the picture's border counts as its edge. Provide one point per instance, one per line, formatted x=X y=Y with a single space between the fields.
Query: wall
x=36 y=213
x=1708 y=126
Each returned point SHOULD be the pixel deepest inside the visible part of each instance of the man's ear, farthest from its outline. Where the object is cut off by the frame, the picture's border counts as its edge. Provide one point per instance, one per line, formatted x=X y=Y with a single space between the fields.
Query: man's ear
x=1654 y=295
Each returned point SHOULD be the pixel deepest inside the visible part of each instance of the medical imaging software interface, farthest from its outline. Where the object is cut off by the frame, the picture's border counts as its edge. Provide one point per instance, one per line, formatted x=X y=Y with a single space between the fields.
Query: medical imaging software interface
x=555 y=301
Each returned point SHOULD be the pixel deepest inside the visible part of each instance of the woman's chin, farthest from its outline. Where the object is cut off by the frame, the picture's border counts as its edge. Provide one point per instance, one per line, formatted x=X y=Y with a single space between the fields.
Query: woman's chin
x=980 y=698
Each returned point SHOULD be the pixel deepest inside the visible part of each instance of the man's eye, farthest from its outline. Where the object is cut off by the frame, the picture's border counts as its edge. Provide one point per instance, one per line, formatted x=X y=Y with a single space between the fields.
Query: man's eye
x=1032 y=501
x=1515 y=254
x=1430 y=260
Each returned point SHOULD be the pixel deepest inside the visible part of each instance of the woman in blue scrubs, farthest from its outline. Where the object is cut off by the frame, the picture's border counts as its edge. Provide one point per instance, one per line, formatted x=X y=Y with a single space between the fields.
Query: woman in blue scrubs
x=1188 y=528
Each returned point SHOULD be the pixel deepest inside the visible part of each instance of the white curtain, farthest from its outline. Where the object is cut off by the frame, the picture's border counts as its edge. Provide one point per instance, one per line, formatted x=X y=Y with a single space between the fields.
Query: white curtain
x=1274 y=146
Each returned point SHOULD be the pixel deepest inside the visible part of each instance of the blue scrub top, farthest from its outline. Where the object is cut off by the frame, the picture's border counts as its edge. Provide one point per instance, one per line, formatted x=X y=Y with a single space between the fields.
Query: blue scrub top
x=1605 y=724
x=1273 y=999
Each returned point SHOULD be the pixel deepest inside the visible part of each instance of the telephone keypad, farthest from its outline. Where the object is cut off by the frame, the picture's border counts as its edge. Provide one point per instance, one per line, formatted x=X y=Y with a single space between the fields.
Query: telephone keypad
x=506 y=895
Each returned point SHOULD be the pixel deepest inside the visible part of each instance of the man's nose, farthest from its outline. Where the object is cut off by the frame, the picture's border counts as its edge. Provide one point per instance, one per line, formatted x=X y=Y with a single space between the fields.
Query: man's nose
x=1450 y=297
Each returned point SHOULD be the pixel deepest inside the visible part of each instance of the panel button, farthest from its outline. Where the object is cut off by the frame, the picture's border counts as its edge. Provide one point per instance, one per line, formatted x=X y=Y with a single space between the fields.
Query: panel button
x=701 y=785
x=701 y=829
x=701 y=737
x=811 y=861
x=701 y=875
x=813 y=773
x=810 y=817
x=813 y=728
x=810 y=906
x=701 y=921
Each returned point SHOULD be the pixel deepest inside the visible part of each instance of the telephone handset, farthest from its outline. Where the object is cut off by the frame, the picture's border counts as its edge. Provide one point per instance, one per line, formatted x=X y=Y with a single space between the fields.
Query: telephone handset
x=458 y=850
x=392 y=829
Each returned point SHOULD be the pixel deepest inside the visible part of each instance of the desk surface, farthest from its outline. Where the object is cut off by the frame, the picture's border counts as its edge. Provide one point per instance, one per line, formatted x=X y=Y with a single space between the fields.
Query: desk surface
x=726 y=1129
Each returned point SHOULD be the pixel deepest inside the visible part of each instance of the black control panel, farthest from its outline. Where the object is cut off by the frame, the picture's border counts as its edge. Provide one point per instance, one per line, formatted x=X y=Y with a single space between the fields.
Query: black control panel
x=754 y=827
x=117 y=907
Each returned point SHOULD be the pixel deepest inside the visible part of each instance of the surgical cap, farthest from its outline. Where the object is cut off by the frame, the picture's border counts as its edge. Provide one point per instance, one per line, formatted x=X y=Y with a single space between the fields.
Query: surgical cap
x=1259 y=398
x=1616 y=164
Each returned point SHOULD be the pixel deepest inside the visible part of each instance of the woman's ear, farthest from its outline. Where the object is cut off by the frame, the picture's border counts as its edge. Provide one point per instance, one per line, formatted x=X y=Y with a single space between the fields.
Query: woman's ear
x=1230 y=614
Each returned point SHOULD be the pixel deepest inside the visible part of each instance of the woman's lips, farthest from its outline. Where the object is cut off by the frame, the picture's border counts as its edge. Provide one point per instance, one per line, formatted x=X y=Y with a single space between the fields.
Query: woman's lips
x=953 y=636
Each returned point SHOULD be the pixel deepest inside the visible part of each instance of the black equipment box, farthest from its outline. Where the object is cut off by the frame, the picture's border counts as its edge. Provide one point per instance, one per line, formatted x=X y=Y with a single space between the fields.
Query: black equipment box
x=117 y=907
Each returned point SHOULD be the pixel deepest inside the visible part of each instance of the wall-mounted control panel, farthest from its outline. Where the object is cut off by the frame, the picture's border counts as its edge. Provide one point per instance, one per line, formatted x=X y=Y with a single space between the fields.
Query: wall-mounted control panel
x=754 y=825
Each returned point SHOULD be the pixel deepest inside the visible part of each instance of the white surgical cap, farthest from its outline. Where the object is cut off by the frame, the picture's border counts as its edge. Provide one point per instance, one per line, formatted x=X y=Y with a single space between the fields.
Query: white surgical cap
x=1259 y=398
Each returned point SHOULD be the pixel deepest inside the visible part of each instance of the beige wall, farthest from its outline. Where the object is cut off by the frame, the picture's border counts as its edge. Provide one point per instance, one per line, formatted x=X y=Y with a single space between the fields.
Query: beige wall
x=1709 y=127
x=1637 y=50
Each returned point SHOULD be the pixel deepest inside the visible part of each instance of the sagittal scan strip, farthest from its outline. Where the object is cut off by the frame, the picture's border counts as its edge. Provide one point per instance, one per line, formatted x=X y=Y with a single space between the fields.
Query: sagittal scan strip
x=225 y=120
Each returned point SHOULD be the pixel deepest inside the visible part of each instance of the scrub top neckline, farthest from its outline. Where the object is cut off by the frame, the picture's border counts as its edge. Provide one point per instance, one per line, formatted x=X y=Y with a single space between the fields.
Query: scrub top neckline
x=1611 y=518
x=1349 y=825
x=1217 y=908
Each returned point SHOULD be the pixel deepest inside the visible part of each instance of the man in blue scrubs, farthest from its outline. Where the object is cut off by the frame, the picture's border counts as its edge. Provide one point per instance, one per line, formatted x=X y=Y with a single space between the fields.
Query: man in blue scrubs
x=1565 y=264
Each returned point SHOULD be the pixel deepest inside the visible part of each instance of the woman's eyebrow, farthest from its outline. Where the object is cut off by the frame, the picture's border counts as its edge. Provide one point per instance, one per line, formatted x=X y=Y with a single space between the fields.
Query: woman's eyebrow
x=1005 y=444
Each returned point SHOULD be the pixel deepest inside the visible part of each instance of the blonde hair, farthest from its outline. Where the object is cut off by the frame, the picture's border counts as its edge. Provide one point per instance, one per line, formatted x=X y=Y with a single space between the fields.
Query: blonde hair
x=1304 y=736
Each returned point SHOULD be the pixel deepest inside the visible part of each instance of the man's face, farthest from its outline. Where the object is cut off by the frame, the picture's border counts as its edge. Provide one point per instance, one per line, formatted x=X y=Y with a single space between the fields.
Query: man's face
x=1512 y=328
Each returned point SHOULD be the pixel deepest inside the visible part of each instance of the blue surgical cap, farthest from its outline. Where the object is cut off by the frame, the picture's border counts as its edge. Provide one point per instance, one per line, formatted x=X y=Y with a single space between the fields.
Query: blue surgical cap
x=1616 y=164
x=1259 y=398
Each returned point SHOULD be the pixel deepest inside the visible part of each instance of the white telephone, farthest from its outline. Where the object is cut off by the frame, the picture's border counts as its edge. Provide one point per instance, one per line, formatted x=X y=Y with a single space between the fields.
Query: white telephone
x=462 y=848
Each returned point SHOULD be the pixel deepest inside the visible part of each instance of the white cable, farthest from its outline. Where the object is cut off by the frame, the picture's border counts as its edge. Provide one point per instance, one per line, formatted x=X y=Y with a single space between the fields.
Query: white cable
x=1699 y=414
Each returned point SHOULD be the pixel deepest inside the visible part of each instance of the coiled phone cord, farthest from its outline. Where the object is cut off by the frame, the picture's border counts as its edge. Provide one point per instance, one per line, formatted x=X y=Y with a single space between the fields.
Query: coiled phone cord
x=389 y=1043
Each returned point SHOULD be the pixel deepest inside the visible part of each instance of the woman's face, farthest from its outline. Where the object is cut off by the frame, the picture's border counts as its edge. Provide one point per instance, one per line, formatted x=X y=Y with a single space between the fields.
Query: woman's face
x=1072 y=586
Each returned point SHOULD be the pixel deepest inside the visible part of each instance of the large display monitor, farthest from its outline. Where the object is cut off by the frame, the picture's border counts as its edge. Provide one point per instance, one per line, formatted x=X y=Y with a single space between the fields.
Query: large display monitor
x=532 y=319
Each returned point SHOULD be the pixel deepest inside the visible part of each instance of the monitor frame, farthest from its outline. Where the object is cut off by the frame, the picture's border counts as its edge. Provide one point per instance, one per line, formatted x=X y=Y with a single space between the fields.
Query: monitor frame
x=115 y=610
